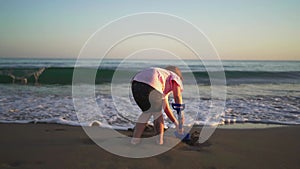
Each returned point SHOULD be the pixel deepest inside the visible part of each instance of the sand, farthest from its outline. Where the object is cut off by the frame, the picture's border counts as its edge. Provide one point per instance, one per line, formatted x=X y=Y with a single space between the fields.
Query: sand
x=56 y=146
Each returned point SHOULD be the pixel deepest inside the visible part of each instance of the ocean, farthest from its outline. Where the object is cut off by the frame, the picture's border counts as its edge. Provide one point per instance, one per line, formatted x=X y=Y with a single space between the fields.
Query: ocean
x=40 y=91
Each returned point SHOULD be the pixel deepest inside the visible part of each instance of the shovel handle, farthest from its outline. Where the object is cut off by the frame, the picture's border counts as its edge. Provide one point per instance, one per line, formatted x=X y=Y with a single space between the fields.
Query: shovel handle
x=179 y=108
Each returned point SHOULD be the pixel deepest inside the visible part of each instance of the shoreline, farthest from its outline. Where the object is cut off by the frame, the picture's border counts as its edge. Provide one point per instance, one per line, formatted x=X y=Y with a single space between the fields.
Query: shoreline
x=236 y=125
x=249 y=125
x=63 y=146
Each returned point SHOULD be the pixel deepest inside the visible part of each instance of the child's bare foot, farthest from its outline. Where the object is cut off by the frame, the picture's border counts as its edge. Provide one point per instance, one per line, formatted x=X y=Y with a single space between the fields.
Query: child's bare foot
x=160 y=140
x=135 y=141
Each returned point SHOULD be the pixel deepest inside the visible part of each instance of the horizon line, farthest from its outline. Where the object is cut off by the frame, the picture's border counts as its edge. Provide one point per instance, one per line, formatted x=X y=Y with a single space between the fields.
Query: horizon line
x=69 y=58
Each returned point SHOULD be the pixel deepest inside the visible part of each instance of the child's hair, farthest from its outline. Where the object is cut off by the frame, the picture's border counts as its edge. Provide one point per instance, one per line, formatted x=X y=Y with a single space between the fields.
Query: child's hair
x=175 y=70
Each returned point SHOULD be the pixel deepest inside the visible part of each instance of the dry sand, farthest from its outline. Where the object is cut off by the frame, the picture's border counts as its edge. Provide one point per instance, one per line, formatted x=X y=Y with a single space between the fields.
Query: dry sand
x=55 y=146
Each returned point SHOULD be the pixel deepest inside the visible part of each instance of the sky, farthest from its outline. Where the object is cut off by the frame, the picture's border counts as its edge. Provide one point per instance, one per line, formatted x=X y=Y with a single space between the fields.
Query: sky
x=239 y=30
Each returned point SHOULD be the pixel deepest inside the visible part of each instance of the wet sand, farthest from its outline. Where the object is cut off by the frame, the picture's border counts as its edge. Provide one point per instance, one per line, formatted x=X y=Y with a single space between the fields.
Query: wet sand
x=56 y=146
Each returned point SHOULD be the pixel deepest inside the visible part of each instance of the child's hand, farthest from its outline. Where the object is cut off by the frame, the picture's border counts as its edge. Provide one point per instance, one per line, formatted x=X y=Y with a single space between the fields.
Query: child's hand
x=179 y=131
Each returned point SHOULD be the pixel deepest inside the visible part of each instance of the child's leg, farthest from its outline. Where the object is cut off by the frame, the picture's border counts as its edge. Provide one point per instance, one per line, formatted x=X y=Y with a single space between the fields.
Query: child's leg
x=159 y=127
x=139 y=127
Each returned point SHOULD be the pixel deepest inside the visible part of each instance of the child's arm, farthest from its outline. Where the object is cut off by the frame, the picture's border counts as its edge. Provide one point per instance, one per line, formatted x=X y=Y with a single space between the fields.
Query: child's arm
x=178 y=97
x=177 y=93
x=168 y=111
x=178 y=100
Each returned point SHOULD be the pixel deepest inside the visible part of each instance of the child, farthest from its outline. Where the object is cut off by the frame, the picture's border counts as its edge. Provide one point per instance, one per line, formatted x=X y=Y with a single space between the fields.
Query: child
x=150 y=89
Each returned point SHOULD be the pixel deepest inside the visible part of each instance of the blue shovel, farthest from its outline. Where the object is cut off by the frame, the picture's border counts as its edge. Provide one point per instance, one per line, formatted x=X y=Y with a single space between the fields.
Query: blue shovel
x=179 y=108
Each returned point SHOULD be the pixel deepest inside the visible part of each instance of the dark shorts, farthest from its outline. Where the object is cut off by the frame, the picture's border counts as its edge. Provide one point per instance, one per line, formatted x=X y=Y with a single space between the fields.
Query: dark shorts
x=146 y=97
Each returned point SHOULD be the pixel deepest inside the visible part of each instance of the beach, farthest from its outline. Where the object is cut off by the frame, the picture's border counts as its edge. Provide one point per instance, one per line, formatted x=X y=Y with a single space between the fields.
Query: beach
x=62 y=146
x=40 y=122
x=226 y=72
